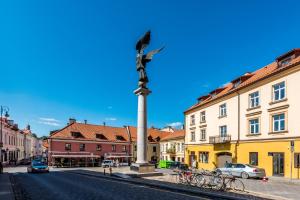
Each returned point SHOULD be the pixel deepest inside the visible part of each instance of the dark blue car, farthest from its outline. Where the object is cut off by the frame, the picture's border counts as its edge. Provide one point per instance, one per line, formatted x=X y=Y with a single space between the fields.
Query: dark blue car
x=37 y=166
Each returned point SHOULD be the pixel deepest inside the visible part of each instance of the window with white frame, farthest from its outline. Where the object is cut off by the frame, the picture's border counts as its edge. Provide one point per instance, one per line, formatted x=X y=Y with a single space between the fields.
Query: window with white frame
x=202 y=116
x=278 y=122
x=279 y=91
x=203 y=157
x=192 y=122
x=254 y=99
x=223 y=131
x=203 y=134
x=182 y=147
x=193 y=139
x=254 y=126
x=223 y=110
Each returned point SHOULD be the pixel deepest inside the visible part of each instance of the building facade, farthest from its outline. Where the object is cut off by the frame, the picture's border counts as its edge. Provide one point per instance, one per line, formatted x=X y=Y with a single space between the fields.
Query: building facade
x=153 y=144
x=172 y=146
x=251 y=120
x=82 y=144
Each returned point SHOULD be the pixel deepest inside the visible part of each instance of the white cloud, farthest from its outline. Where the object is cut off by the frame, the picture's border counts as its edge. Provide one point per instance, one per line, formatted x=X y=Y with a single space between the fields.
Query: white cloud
x=225 y=84
x=110 y=119
x=175 y=124
x=48 y=121
x=109 y=107
x=45 y=119
x=205 y=85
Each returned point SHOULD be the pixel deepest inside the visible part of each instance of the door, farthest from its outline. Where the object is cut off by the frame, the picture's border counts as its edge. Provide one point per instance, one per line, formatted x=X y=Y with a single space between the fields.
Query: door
x=223 y=159
x=192 y=158
x=278 y=164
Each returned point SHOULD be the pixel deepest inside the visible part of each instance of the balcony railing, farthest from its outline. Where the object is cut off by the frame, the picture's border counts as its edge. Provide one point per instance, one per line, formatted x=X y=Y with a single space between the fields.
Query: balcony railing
x=171 y=150
x=219 y=139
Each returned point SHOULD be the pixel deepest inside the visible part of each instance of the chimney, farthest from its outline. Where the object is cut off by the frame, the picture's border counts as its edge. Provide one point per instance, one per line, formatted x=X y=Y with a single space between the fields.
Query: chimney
x=28 y=127
x=72 y=120
x=85 y=121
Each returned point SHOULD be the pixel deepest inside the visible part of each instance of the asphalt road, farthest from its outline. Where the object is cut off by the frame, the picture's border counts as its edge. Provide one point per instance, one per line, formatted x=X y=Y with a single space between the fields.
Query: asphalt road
x=66 y=186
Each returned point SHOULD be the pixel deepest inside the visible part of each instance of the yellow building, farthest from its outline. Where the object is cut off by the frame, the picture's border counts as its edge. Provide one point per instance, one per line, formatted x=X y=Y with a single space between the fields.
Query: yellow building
x=254 y=119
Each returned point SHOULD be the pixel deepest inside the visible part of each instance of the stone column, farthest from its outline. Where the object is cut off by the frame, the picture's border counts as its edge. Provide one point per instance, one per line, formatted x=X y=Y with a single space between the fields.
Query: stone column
x=142 y=94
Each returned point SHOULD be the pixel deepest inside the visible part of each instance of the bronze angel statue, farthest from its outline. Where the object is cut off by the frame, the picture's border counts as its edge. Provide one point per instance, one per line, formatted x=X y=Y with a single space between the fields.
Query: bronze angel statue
x=142 y=59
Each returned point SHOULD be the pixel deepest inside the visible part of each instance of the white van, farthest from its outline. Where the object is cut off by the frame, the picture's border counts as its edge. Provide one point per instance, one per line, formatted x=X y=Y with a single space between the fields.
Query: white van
x=107 y=163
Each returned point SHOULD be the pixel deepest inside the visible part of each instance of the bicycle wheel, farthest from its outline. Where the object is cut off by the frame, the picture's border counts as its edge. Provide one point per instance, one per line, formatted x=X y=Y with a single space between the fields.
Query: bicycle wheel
x=237 y=185
x=199 y=180
x=218 y=183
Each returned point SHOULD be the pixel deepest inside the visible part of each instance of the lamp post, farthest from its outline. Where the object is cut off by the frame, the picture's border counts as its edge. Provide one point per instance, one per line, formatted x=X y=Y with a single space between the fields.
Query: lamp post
x=3 y=109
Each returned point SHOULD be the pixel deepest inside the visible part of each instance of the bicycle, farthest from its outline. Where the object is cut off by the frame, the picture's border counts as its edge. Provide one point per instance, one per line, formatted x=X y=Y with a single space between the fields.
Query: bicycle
x=233 y=183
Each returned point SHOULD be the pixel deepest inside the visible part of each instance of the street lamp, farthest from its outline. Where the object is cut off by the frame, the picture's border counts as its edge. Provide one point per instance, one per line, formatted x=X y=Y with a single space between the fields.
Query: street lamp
x=3 y=109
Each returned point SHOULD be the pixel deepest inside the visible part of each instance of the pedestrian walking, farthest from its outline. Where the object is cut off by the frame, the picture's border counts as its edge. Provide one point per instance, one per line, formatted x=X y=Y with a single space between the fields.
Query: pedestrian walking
x=1 y=168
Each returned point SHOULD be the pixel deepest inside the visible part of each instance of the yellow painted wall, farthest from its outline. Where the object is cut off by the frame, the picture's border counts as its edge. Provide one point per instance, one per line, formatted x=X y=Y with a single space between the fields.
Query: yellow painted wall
x=262 y=147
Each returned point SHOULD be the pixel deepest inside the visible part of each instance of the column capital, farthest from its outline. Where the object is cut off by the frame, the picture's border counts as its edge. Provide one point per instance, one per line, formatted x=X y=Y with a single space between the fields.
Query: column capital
x=142 y=91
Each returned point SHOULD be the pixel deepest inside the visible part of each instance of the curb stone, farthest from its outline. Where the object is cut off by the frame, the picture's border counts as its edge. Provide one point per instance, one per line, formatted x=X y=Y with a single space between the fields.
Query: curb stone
x=171 y=188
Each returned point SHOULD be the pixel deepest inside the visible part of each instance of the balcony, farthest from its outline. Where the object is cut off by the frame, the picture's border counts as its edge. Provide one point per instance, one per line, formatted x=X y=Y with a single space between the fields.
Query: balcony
x=171 y=150
x=219 y=139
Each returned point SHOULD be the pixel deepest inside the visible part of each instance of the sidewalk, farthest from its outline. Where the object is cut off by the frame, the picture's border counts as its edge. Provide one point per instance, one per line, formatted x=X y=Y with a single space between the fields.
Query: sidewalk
x=6 y=191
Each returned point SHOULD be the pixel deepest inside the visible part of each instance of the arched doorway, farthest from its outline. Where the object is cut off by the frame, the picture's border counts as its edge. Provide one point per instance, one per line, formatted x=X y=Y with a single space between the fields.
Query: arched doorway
x=223 y=158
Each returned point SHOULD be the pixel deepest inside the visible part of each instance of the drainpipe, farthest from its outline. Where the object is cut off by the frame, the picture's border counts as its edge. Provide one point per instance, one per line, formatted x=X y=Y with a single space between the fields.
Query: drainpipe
x=239 y=126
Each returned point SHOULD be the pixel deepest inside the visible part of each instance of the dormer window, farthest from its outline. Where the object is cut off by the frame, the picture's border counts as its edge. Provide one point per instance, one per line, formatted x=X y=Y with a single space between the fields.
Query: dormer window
x=76 y=135
x=120 y=137
x=157 y=139
x=100 y=136
x=150 y=139
x=285 y=62
x=287 y=58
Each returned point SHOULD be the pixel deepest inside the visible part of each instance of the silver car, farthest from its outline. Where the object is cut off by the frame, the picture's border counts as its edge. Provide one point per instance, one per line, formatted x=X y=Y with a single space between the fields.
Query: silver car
x=242 y=170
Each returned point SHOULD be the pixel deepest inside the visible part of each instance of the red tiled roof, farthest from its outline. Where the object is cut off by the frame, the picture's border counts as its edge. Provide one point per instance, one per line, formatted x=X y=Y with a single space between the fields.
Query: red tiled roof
x=177 y=134
x=153 y=132
x=45 y=143
x=256 y=76
x=89 y=131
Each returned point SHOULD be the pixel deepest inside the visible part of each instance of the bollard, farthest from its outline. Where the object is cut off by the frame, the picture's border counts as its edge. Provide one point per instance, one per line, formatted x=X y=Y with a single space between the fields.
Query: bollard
x=104 y=172
x=110 y=171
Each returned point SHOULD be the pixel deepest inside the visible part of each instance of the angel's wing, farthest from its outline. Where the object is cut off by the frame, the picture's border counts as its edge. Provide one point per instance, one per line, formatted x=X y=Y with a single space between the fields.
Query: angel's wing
x=150 y=54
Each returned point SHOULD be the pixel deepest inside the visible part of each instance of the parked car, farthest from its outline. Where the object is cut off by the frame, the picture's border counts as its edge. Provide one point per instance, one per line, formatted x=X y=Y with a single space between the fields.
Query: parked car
x=37 y=166
x=178 y=166
x=242 y=170
x=107 y=163
x=24 y=161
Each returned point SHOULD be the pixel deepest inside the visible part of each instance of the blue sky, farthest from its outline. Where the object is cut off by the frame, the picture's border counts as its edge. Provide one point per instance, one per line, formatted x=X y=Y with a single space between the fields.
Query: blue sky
x=62 y=59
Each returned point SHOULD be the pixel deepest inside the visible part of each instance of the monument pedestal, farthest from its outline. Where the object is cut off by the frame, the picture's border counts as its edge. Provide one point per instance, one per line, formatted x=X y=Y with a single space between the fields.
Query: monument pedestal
x=142 y=168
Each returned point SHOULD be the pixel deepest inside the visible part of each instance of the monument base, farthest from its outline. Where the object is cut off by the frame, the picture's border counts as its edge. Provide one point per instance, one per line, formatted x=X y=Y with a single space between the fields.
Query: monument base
x=142 y=168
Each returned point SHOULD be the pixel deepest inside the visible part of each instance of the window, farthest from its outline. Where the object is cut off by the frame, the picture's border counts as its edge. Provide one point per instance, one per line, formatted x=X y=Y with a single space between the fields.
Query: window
x=278 y=122
x=202 y=116
x=254 y=126
x=100 y=136
x=223 y=131
x=124 y=148
x=134 y=147
x=68 y=147
x=279 y=91
x=82 y=147
x=120 y=137
x=223 y=111
x=99 y=147
x=203 y=157
x=297 y=160
x=113 y=147
x=203 y=134
x=154 y=149
x=76 y=135
x=193 y=139
x=253 y=158
x=192 y=120
x=254 y=99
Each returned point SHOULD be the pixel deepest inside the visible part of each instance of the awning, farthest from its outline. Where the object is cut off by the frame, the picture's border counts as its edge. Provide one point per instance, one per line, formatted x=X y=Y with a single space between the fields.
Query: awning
x=75 y=156
x=118 y=156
